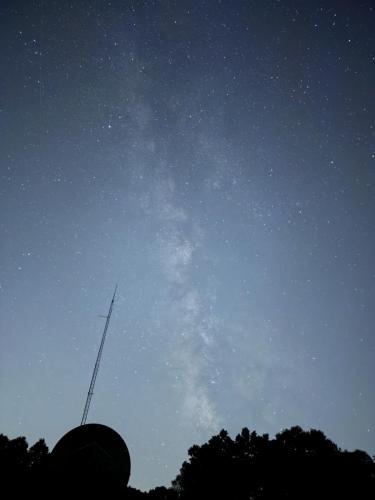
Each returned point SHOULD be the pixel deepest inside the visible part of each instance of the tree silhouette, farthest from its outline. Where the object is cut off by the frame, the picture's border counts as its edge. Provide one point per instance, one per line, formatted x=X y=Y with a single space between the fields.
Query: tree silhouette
x=162 y=493
x=296 y=464
x=21 y=467
x=38 y=454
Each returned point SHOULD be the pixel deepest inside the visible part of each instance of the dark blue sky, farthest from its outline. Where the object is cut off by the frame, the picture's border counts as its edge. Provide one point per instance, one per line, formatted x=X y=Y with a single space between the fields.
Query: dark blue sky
x=216 y=160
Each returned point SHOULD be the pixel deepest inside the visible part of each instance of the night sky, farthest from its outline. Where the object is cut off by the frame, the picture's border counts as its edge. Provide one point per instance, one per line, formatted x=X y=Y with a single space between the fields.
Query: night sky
x=216 y=159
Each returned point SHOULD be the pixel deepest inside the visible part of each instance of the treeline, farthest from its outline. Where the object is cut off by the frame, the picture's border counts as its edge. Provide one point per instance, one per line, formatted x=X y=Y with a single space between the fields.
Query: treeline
x=296 y=464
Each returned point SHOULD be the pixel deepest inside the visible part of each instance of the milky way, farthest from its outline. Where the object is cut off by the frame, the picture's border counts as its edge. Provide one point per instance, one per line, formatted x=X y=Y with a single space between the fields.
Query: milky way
x=216 y=160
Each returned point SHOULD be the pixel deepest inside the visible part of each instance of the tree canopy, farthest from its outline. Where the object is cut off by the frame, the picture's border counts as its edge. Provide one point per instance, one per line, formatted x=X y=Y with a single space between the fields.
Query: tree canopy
x=295 y=464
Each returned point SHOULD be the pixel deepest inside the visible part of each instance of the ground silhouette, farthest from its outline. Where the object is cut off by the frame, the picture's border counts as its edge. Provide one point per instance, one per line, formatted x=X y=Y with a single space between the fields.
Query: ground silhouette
x=296 y=464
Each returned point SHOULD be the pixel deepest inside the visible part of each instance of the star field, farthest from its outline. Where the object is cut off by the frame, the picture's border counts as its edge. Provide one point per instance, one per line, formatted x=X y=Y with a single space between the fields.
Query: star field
x=216 y=160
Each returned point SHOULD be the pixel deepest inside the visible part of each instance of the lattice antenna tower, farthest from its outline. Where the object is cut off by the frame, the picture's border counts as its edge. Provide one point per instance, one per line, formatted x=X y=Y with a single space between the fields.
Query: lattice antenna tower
x=97 y=363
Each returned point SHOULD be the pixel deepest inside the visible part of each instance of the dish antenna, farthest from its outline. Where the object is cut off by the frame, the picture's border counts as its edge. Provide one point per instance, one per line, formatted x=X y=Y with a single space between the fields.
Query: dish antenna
x=91 y=458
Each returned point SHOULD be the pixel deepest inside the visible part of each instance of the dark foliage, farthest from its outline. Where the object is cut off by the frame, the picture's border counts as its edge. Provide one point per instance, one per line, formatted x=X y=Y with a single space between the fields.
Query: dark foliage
x=22 y=468
x=295 y=464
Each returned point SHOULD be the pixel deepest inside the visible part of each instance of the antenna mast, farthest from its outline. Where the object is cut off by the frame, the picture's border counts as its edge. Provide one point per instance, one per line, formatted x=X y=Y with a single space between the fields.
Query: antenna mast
x=97 y=363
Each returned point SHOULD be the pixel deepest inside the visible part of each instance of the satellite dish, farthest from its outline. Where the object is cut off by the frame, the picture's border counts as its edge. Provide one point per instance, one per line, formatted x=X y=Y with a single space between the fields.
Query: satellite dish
x=91 y=457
